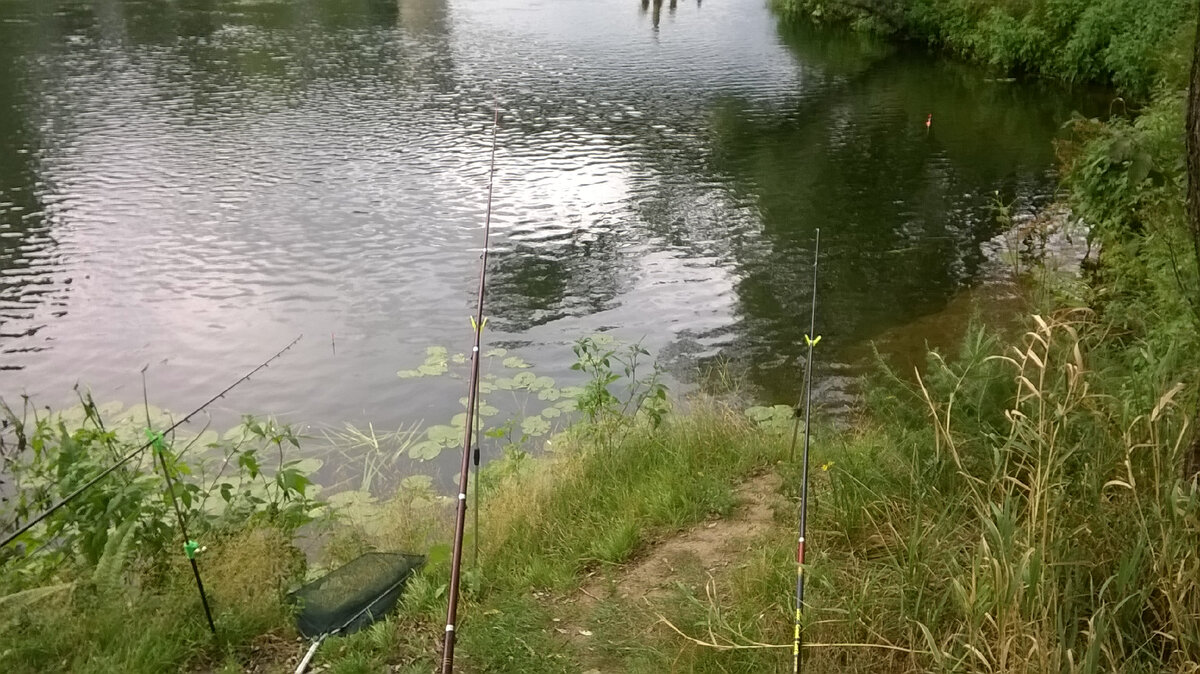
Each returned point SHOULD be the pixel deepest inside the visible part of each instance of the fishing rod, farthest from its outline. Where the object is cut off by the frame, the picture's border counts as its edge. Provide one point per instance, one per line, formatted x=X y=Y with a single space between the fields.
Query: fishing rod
x=190 y=547
x=811 y=341
x=472 y=394
x=475 y=526
x=128 y=457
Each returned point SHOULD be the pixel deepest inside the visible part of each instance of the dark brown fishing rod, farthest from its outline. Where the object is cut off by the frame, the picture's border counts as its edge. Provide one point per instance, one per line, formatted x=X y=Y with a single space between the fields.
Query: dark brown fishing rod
x=469 y=426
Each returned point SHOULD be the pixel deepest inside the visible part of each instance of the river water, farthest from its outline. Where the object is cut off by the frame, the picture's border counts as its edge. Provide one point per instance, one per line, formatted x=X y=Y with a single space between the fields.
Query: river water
x=189 y=184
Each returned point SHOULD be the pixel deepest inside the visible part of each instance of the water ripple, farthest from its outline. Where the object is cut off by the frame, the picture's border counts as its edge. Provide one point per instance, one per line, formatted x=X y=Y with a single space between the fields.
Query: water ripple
x=191 y=188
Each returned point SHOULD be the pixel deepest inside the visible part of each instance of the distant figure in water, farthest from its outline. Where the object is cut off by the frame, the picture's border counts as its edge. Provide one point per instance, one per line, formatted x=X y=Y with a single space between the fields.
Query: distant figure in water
x=929 y=122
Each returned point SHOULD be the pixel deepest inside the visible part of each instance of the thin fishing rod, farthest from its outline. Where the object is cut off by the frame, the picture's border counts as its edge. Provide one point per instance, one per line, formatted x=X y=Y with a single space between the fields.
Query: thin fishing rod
x=189 y=546
x=472 y=395
x=128 y=457
x=811 y=340
x=475 y=526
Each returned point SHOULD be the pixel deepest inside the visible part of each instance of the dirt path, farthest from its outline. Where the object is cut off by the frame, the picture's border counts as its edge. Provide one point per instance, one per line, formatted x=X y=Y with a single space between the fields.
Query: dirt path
x=713 y=544
x=710 y=546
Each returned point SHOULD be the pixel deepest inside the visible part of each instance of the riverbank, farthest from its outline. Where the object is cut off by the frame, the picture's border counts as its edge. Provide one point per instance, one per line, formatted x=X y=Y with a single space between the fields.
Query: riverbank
x=1132 y=46
x=1017 y=508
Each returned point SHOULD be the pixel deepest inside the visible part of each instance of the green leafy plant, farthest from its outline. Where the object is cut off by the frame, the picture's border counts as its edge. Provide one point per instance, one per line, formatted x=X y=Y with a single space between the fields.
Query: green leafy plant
x=609 y=364
x=222 y=482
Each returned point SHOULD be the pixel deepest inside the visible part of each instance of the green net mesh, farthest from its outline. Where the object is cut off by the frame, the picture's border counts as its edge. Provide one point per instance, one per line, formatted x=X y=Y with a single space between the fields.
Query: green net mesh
x=355 y=595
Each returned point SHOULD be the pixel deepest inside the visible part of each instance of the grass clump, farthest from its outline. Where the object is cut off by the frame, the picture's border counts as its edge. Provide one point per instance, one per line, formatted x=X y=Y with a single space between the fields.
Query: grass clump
x=592 y=506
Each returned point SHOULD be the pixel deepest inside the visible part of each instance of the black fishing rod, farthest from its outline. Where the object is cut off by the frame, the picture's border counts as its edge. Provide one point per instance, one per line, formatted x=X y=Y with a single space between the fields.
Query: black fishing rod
x=130 y=456
x=811 y=340
x=190 y=547
x=472 y=395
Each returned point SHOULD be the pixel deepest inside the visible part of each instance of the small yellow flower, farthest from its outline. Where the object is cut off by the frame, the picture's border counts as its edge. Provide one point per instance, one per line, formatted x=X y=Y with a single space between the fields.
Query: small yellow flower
x=827 y=465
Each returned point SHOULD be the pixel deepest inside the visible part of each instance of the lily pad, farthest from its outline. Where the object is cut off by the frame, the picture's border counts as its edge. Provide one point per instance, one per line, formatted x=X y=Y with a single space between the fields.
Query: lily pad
x=417 y=483
x=535 y=426
x=308 y=466
x=425 y=450
x=445 y=436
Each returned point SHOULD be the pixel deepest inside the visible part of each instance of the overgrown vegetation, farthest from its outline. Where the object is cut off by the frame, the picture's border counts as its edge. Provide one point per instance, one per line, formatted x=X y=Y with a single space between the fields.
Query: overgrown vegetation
x=1133 y=44
x=1017 y=508
x=111 y=558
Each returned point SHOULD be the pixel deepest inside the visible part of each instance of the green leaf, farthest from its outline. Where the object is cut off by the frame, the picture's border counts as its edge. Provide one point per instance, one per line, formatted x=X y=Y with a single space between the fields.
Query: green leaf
x=293 y=481
x=552 y=413
x=525 y=380
x=422 y=483
x=445 y=436
x=35 y=594
x=409 y=374
x=495 y=353
x=425 y=450
x=249 y=462
x=535 y=426
x=515 y=362
x=307 y=466
x=1120 y=149
x=1140 y=167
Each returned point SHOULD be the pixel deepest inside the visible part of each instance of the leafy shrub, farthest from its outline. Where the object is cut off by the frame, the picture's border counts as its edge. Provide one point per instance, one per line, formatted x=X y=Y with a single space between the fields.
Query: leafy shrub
x=128 y=513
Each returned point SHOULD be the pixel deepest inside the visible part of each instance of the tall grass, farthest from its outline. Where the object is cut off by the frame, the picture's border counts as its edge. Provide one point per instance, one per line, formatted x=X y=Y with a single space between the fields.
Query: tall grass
x=593 y=504
x=1010 y=511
